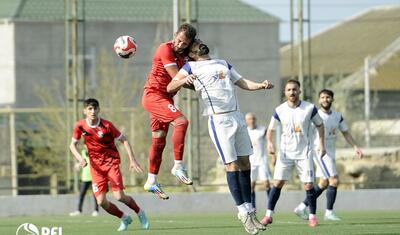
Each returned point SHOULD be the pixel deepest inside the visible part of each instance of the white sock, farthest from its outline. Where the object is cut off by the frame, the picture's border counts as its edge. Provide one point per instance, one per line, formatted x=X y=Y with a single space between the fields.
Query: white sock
x=328 y=212
x=311 y=216
x=178 y=163
x=242 y=209
x=151 y=178
x=269 y=213
x=301 y=206
x=249 y=207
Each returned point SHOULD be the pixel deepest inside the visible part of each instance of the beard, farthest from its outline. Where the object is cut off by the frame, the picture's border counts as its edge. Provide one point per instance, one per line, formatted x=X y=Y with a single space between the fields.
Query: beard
x=326 y=106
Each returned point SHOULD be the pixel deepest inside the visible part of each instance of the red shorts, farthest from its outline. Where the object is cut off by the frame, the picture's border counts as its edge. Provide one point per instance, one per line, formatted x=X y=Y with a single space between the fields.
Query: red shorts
x=104 y=174
x=161 y=108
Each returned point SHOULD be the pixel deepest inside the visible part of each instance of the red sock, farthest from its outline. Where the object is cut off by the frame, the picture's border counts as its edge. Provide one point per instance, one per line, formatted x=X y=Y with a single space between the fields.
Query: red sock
x=113 y=210
x=155 y=154
x=132 y=204
x=178 y=137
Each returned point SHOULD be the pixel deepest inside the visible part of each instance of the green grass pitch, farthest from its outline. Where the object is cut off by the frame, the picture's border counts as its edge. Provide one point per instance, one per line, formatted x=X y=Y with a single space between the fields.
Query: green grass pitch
x=378 y=222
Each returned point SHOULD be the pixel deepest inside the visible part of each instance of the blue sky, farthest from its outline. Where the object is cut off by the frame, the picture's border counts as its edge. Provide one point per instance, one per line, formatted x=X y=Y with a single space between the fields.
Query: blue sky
x=324 y=13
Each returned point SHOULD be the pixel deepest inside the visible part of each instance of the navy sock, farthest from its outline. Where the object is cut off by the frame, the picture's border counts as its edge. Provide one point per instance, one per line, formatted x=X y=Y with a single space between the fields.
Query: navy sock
x=253 y=199
x=234 y=186
x=245 y=185
x=318 y=192
x=268 y=191
x=330 y=197
x=312 y=200
x=273 y=197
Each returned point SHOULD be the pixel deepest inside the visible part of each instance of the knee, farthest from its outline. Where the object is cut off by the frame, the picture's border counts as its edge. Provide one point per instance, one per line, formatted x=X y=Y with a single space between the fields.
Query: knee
x=244 y=163
x=334 y=182
x=308 y=186
x=279 y=183
x=232 y=166
x=181 y=122
x=323 y=183
x=102 y=202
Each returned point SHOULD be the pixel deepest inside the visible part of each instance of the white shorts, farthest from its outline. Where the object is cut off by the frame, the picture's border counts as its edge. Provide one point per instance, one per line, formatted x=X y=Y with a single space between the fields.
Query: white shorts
x=260 y=173
x=230 y=136
x=284 y=168
x=326 y=166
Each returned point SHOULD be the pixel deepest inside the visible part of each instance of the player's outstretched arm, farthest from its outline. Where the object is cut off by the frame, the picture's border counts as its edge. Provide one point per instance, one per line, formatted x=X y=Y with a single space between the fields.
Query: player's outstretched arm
x=252 y=86
x=321 y=133
x=133 y=164
x=179 y=81
x=349 y=138
x=74 y=149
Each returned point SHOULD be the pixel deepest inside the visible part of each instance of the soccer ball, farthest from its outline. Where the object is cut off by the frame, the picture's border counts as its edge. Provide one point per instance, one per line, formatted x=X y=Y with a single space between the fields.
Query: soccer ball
x=125 y=46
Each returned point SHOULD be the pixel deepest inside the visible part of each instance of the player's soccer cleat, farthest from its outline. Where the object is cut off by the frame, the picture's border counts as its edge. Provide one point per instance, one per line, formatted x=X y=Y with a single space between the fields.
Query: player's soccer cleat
x=248 y=224
x=143 y=220
x=302 y=213
x=180 y=172
x=266 y=220
x=312 y=222
x=157 y=190
x=332 y=217
x=257 y=223
x=75 y=213
x=125 y=222
x=95 y=213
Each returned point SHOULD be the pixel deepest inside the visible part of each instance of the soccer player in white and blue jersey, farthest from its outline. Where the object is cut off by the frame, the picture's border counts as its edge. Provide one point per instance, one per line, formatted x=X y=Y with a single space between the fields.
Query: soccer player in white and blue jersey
x=214 y=80
x=295 y=117
x=326 y=166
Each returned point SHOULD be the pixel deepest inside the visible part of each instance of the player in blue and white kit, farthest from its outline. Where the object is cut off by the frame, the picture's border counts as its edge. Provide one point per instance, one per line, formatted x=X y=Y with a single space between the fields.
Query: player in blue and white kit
x=326 y=166
x=295 y=117
x=214 y=80
x=258 y=160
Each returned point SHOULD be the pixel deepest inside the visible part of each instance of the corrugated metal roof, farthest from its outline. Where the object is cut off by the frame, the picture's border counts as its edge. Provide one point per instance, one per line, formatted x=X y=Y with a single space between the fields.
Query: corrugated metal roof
x=132 y=10
x=342 y=48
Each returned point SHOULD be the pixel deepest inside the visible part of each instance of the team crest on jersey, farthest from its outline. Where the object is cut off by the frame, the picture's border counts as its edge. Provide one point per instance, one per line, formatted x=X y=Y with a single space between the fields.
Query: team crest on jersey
x=100 y=134
x=221 y=74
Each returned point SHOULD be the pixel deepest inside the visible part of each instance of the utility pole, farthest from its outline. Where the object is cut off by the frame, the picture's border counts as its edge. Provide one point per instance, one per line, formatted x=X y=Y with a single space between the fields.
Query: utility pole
x=367 y=102
x=300 y=43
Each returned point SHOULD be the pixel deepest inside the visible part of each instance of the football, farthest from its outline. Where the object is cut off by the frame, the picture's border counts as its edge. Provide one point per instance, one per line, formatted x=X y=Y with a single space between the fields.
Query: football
x=125 y=47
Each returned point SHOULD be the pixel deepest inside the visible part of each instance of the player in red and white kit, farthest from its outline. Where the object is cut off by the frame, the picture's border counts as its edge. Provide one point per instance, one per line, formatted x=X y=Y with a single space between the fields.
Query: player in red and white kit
x=99 y=136
x=168 y=59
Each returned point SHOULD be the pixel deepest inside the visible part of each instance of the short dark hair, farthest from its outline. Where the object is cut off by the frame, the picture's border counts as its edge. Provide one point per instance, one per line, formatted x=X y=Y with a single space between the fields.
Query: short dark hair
x=189 y=30
x=292 y=81
x=326 y=91
x=91 y=102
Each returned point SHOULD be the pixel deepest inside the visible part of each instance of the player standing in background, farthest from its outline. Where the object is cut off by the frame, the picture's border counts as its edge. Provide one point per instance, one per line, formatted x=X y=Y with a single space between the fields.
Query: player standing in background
x=258 y=160
x=86 y=182
x=214 y=80
x=168 y=59
x=326 y=166
x=295 y=117
x=100 y=135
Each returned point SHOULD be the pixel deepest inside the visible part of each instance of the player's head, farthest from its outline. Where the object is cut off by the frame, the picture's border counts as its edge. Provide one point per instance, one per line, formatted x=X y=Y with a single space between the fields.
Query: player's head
x=326 y=98
x=184 y=37
x=91 y=108
x=251 y=120
x=292 y=90
x=198 y=49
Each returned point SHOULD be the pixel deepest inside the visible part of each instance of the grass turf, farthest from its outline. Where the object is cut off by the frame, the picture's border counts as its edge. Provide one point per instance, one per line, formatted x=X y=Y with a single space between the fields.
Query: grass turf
x=378 y=222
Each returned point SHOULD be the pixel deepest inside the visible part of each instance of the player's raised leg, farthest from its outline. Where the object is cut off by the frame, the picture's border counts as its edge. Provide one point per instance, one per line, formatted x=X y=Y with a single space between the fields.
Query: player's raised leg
x=178 y=139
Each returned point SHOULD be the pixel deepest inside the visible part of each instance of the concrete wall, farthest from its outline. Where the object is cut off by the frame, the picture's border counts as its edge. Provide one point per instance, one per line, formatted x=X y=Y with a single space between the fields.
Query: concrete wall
x=359 y=200
x=7 y=64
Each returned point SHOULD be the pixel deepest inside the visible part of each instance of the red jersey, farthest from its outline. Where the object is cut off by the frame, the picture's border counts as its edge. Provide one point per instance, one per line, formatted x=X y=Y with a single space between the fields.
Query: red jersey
x=164 y=57
x=99 y=140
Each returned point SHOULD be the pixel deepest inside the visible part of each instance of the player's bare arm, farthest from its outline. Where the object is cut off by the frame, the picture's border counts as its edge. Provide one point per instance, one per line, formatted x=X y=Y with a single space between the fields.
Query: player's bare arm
x=270 y=142
x=321 y=133
x=251 y=85
x=133 y=164
x=349 y=138
x=74 y=149
x=179 y=81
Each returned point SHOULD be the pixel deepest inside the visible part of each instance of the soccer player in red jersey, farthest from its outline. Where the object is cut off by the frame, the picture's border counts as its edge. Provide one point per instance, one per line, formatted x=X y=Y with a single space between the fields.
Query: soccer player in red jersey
x=168 y=59
x=99 y=136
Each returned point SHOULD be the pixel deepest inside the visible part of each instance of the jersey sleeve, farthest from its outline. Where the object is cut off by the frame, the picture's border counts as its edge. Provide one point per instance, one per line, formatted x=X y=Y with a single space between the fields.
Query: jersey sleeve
x=275 y=120
x=315 y=118
x=167 y=56
x=115 y=132
x=186 y=69
x=235 y=76
x=77 y=133
x=343 y=127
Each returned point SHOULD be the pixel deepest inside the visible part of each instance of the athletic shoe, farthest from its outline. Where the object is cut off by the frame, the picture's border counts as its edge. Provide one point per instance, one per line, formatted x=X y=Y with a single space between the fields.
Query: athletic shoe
x=332 y=217
x=180 y=172
x=75 y=213
x=125 y=222
x=303 y=214
x=157 y=190
x=95 y=213
x=266 y=220
x=312 y=222
x=248 y=223
x=257 y=223
x=143 y=220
